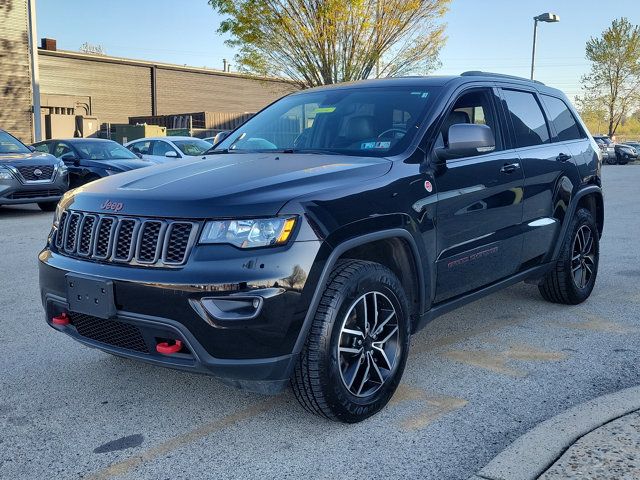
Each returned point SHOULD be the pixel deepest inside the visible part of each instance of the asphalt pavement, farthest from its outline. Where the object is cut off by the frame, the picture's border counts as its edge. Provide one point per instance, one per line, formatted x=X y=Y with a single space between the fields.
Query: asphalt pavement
x=476 y=380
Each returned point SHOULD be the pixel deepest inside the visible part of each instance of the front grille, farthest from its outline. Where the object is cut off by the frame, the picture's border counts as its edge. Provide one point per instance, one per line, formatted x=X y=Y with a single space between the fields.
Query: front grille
x=35 y=194
x=32 y=173
x=112 y=332
x=110 y=238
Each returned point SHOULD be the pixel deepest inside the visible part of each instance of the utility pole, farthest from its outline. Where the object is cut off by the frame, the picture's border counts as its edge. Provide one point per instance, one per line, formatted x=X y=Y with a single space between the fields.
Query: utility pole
x=35 y=72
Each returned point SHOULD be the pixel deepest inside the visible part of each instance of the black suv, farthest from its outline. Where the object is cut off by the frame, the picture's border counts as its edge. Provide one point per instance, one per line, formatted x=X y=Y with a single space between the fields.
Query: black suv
x=311 y=243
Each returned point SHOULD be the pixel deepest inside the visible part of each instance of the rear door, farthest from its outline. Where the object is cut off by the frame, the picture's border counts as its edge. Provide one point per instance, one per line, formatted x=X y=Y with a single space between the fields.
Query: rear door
x=479 y=210
x=549 y=172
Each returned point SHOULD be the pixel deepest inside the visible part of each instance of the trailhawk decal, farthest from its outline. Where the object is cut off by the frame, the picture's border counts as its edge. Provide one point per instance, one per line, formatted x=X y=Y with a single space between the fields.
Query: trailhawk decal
x=471 y=258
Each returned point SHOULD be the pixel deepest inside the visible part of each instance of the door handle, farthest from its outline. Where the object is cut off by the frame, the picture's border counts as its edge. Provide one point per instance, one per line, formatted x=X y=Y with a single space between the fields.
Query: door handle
x=563 y=157
x=510 y=167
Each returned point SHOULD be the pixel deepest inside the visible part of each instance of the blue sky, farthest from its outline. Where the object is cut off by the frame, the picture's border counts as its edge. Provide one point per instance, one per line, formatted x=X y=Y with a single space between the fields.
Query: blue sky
x=492 y=35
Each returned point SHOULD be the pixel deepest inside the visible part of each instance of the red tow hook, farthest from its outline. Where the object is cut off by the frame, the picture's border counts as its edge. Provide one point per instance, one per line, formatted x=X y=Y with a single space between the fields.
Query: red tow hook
x=61 y=320
x=167 y=349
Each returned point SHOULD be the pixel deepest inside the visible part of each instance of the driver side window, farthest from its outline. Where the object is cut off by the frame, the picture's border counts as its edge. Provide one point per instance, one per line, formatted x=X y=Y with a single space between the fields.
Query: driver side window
x=61 y=149
x=474 y=107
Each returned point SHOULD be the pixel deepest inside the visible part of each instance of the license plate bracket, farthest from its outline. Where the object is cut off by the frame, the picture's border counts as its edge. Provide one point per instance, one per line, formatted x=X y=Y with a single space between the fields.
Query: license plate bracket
x=90 y=295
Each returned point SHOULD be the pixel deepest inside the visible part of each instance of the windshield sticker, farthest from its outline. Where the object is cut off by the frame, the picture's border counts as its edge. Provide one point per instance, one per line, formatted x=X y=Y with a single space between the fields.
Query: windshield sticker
x=370 y=145
x=421 y=94
x=324 y=110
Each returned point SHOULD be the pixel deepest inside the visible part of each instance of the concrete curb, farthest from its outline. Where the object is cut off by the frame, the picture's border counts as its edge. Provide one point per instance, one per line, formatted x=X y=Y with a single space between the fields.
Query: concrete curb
x=534 y=452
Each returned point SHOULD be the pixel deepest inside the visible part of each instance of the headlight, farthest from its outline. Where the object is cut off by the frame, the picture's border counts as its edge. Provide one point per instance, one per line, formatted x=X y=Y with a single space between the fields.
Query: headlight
x=5 y=174
x=62 y=168
x=260 y=232
x=58 y=214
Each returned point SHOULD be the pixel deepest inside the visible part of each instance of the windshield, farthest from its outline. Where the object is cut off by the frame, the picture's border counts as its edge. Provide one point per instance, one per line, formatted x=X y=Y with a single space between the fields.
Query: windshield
x=353 y=121
x=192 y=147
x=9 y=144
x=104 y=151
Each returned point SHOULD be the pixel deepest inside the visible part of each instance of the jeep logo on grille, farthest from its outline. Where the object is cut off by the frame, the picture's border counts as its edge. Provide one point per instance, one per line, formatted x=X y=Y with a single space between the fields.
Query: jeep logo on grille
x=37 y=172
x=109 y=205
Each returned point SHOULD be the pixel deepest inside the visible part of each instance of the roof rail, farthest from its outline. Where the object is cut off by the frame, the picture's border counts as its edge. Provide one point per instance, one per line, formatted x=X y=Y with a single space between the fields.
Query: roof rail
x=478 y=73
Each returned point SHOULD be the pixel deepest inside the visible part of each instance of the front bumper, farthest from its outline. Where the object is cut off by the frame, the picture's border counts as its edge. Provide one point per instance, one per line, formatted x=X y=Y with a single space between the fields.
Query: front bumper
x=257 y=353
x=15 y=192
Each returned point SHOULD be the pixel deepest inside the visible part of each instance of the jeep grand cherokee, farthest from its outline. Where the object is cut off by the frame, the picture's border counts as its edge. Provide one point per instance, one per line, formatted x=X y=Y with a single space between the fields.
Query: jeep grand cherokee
x=310 y=243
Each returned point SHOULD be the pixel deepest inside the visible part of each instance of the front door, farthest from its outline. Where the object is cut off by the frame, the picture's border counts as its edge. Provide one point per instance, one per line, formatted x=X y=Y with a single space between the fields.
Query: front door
x=479 y=210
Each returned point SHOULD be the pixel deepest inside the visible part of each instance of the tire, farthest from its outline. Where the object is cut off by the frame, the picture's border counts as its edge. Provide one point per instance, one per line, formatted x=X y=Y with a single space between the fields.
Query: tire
x=560 y=285
x=331 y=357
x=47 y=206
x=612 y=161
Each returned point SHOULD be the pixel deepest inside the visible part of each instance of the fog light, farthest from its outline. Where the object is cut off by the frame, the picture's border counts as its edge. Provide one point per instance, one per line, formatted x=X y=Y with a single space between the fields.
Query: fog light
x=232 y=307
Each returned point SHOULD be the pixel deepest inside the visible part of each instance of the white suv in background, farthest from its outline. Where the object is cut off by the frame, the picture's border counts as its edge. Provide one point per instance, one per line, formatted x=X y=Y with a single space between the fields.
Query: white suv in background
x=165 y=149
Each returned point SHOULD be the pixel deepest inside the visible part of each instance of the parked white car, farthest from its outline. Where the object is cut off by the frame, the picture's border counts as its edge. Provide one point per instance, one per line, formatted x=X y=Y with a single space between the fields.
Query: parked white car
x=166 y=149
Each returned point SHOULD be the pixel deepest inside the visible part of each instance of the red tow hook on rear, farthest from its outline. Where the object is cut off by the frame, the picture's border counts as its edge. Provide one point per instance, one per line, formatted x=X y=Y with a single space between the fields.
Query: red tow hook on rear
x=61 y=320
x=166 y=349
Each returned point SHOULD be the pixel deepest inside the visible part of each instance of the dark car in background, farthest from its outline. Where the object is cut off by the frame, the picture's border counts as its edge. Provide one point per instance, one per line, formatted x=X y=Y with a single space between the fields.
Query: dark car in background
x=29 y=177
x=89 y=159
x=625 y=153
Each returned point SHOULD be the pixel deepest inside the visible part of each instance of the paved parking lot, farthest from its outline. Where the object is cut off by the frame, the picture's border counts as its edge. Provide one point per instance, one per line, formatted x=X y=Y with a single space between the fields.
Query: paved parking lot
x=476 y=379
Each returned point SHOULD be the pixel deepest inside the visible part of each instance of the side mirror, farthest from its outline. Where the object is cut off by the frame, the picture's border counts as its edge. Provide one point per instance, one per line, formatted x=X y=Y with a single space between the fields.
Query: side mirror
x=467 y=140
x=138 y=154
x=171 y=154
x=31 y=148
x=70 y=159
x=220 y=136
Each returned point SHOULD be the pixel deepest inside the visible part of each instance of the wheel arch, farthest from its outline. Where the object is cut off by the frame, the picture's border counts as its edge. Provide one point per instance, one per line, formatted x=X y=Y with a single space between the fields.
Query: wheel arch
x=374 y=244
x=589 y=197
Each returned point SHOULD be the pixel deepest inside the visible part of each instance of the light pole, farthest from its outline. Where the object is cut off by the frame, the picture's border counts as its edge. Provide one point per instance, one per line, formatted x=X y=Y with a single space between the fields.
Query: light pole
x=543 y=17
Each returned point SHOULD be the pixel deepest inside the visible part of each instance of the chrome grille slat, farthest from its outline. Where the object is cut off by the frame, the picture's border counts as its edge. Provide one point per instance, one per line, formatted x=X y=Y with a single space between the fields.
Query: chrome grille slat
x=126 y=240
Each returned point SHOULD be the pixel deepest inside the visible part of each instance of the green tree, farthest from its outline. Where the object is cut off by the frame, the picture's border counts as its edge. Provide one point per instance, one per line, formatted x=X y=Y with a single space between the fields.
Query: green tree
x=320 y=42
x=613 y=84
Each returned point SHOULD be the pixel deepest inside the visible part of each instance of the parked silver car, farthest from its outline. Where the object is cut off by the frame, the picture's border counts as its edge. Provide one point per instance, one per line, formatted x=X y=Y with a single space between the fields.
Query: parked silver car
x=27 y=176
x=166 y=149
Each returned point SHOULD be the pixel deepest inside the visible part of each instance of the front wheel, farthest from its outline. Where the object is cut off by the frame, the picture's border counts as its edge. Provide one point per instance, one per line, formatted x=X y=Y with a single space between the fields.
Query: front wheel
x=572 y=279
x=356 y=350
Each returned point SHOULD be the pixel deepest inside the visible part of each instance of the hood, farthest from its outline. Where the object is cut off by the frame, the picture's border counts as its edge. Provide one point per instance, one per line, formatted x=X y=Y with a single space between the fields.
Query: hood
x=123 y=165
x=33 y=158
x=224 y=185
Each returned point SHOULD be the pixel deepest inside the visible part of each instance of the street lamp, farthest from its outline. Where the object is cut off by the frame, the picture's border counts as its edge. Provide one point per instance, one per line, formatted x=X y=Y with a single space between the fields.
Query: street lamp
x=543 y=17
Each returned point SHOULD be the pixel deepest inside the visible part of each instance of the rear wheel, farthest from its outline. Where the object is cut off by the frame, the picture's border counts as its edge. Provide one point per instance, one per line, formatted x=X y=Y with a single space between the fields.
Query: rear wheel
x=572 y=279
x=47 y=206
x=357 y=347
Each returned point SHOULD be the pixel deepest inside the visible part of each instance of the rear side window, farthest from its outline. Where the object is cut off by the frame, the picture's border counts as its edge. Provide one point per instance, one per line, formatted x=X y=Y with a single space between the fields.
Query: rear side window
x=529 y=125
x=563 y=120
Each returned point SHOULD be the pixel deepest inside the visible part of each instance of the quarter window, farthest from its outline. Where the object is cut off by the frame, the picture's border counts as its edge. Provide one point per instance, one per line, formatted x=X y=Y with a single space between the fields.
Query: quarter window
x=529 y=125
x=563 y=120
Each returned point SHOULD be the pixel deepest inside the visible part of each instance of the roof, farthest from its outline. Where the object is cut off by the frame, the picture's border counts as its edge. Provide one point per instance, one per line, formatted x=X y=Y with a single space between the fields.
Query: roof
x=434 y=81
